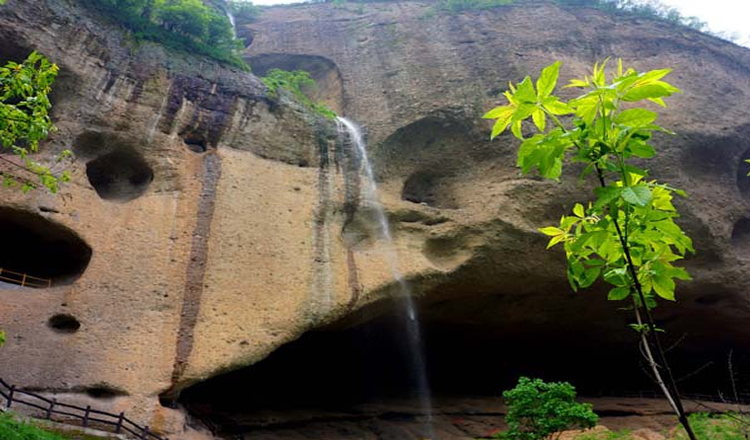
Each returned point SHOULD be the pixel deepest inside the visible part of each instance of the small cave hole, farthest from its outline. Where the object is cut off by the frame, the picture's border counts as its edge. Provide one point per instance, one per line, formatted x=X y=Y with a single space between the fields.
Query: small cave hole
x=196 y=143
x=121 y=175
x=428 y=188
x=64 y=323
x=45 y=253
x=709 y=300
x=103 y=392
x=741 y=231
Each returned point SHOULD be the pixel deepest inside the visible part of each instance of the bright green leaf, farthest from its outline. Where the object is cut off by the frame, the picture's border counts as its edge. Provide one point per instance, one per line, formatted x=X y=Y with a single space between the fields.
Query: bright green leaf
x=548 y=80
x=636 y=117
x=638 y=195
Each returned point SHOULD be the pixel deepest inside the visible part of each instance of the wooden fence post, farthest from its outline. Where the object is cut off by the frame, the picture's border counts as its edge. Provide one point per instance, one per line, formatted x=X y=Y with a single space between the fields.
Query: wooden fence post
x=118 y=428
x=10 y=395
x=145 y=433
x=86 y=416
x=51 y=407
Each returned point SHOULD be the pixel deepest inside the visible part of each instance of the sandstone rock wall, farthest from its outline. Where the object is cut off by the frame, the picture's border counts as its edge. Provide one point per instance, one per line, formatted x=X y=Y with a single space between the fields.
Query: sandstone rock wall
x=224 y=223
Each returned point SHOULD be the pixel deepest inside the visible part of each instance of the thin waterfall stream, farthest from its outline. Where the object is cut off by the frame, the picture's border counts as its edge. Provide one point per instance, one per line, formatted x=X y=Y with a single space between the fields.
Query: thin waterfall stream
x=371 y=198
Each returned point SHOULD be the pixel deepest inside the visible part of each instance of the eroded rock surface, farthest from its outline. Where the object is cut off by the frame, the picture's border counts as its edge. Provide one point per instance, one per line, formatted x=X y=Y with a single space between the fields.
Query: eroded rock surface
x=224 y=223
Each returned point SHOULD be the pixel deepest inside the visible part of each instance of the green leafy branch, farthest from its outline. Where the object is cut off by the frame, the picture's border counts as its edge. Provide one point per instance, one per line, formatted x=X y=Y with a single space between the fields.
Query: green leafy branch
x=628 y=212
x=25 y=121
x=627 y=236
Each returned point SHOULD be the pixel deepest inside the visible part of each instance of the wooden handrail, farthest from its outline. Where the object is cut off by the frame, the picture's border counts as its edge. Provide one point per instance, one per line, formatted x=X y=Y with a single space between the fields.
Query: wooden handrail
x=50 y=408
x=24 y=279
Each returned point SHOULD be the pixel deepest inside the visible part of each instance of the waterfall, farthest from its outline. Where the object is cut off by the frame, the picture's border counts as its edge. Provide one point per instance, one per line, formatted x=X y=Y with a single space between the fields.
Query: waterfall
x=230 y=17
x=370 y=197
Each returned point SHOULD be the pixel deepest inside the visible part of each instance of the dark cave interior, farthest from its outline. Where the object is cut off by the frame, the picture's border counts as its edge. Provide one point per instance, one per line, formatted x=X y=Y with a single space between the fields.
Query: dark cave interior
x=340 y=370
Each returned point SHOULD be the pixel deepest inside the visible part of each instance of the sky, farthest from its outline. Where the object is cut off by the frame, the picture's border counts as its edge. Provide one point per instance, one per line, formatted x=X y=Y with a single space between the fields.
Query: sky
x=729 y=16
x=726 y=16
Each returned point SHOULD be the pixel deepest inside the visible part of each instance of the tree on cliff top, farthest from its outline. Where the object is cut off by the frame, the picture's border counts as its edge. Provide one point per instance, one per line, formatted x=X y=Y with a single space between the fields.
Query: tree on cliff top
x=185 y=25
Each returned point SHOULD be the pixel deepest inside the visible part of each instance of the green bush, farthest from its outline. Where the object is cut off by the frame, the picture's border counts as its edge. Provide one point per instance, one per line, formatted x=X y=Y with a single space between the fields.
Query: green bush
x=183 y=25
x=293 y=81
x=538 y=410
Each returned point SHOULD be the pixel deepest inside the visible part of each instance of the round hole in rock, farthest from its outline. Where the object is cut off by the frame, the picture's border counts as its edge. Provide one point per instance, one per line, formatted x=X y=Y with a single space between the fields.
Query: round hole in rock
x=45 y=250
x=64 y=323
x=741 y=232
x=428 y=188
x=121 y=175
x=196 y=143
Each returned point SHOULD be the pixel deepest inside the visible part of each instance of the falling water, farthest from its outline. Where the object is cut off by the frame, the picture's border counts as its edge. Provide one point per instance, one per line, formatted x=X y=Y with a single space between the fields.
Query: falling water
x=370 y=197
x=230 y=16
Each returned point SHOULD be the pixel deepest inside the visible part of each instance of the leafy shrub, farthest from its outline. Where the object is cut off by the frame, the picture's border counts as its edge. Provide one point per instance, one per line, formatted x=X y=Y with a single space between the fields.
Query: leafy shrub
x=293 y=81
x=182 y=25
x=538 y=410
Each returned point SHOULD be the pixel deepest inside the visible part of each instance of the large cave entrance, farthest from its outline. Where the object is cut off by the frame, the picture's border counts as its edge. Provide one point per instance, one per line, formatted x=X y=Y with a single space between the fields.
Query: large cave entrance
x=329 y=86
x=38 y=252
x=350 y=382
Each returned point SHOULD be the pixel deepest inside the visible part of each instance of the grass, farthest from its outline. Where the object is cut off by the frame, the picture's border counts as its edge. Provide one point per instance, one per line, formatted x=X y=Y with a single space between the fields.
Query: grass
x=705 y=426
x=13 y=429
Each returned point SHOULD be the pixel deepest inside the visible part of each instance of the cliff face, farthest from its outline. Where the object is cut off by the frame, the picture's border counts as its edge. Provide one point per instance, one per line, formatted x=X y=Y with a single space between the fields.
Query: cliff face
x=209 y=224
x=419 y=80
x=193 y=191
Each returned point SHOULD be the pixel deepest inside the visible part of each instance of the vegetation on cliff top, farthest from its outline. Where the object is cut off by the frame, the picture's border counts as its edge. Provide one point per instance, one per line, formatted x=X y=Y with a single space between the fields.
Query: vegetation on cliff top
x=183 y=25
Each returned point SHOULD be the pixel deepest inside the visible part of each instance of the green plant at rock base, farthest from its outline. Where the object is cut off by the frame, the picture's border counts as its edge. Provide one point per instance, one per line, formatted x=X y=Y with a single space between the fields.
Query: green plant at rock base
x=293 y=81
x=25 y=121
x=627 y=235
x=538 y=410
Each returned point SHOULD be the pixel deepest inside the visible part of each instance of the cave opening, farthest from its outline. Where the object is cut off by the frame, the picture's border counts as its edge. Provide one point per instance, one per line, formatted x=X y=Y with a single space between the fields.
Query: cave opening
x=40 y=248
x=329 y=86
x=363 y=372
x=64 y=323
x=121 y=175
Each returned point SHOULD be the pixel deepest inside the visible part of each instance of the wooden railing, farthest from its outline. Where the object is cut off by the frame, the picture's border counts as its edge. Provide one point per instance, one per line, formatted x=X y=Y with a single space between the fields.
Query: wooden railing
x=23 y=279
x=51 y=409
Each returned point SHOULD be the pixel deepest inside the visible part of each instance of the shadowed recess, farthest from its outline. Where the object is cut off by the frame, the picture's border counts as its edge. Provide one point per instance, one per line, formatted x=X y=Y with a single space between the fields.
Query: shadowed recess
x=121 y=175
x=342 y=372
x=41 y=248
x=64 y=323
